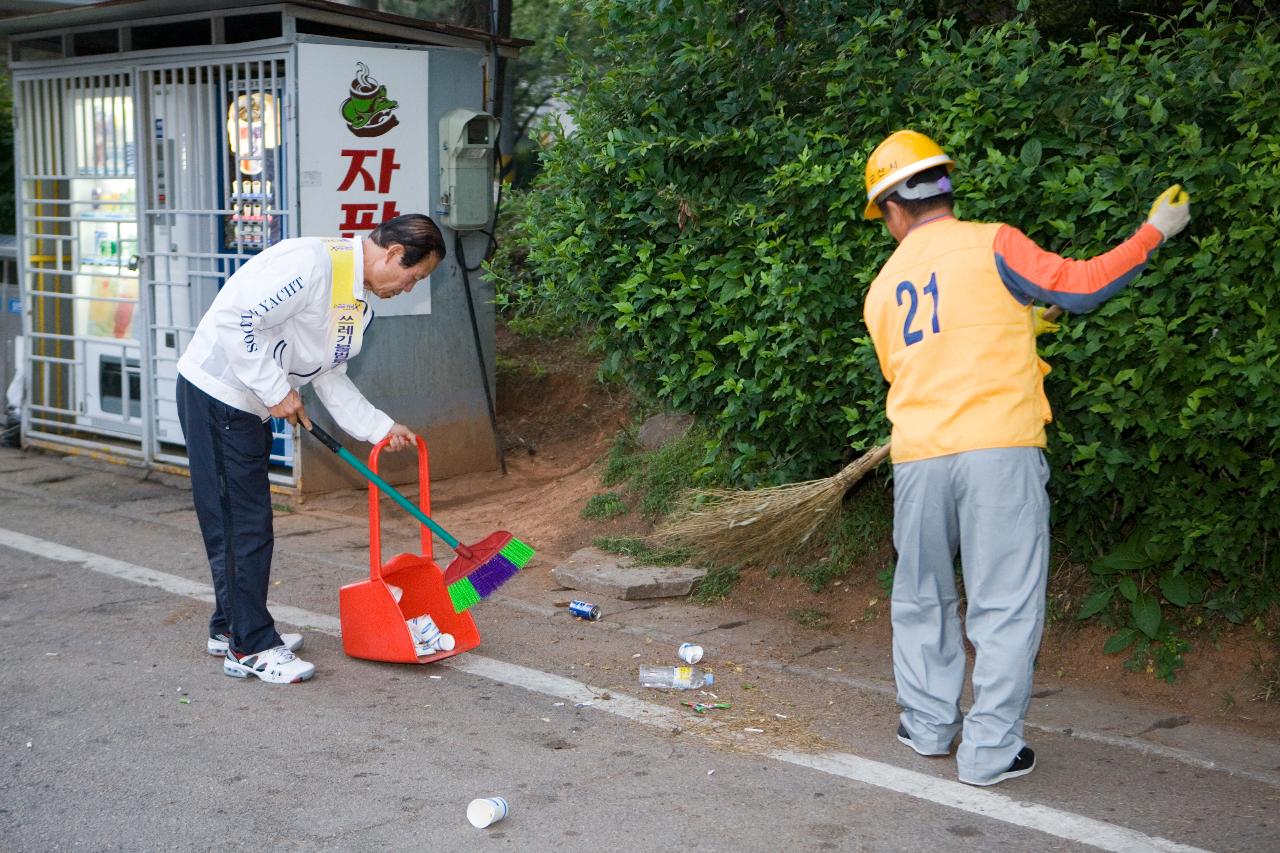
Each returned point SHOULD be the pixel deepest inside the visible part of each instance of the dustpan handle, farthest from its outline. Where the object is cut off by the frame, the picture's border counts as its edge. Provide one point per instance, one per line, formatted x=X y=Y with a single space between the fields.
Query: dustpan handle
x=375 y=514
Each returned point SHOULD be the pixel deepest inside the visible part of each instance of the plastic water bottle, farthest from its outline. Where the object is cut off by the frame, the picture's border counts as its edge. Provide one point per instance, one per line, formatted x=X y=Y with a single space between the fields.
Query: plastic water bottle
x=675 y=677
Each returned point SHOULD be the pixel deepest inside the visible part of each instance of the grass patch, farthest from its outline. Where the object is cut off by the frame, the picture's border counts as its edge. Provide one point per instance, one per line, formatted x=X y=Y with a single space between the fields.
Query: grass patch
x=717 y=584
x=543 y=326
x=511 y=367
x=605 y=506
x=811 y=617
x=624 y=460
x=657 y=478
x=1268 y=669
x=641 y=551
x=668 y=473
x=865 y=525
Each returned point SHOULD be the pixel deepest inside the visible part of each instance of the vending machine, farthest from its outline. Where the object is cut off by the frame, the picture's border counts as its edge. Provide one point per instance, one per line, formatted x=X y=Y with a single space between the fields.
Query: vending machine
x=253 y=190
x=161 y=149
x=104 y=253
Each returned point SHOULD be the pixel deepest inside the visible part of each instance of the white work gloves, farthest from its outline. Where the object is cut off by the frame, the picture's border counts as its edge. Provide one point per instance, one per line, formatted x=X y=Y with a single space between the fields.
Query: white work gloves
x=1171 y=211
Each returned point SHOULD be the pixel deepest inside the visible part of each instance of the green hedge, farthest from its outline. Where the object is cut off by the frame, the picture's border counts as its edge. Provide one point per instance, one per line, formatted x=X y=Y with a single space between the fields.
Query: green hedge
x=705 y=216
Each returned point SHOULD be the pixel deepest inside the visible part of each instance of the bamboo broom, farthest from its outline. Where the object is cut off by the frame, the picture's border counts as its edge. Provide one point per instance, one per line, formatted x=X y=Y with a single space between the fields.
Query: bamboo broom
x=759 y=526
x=732 y=526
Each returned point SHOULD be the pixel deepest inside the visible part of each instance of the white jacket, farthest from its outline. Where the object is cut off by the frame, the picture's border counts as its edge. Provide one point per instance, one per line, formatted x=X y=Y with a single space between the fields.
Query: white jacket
x=267 y=332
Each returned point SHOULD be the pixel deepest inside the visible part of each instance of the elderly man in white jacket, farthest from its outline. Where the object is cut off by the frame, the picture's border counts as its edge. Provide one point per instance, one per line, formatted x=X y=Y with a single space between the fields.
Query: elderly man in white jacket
x=293 y=314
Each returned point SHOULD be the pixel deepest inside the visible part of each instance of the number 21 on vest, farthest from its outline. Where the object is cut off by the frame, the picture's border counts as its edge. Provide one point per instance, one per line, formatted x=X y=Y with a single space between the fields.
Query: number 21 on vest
x=911 y=334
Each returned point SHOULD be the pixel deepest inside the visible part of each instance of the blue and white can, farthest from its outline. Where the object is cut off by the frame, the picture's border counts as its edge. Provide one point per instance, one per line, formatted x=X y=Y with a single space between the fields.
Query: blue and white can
x=584 y=610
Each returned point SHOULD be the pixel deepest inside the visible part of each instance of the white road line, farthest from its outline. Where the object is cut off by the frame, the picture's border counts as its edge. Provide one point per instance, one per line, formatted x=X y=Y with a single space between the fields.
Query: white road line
x=1073 y=827
x=1050 y=821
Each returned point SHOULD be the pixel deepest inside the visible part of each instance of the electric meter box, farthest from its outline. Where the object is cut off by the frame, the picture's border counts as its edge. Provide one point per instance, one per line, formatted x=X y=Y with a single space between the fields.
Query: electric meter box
x=467 y=143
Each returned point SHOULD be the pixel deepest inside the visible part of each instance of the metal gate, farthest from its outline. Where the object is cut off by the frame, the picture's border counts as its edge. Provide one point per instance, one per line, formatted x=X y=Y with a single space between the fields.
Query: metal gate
x=78 y=257
x=142 y=191
x=216 y=192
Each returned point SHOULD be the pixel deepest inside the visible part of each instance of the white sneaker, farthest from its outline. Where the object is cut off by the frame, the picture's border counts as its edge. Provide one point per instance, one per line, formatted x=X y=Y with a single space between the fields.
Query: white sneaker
x=274 y=666
x=218 y=643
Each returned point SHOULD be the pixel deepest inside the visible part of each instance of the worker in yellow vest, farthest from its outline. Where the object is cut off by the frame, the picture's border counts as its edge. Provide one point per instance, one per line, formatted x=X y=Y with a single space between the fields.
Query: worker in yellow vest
x=951 y=315
x=293 y=315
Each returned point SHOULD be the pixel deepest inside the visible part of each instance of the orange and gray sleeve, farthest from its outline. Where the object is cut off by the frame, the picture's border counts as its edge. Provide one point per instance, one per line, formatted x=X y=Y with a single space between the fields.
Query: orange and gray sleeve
x=1034 y=274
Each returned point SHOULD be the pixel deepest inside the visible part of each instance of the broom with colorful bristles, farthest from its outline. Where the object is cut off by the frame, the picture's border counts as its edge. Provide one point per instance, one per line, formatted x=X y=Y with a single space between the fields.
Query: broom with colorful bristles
x=478 y=570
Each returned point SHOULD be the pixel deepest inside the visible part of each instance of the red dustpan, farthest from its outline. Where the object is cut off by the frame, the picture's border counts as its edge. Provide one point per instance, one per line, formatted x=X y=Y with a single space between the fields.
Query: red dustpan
x=373 y=622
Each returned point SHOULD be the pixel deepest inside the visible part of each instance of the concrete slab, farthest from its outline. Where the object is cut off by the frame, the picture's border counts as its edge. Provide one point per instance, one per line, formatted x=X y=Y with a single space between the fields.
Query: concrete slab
x=595 y=571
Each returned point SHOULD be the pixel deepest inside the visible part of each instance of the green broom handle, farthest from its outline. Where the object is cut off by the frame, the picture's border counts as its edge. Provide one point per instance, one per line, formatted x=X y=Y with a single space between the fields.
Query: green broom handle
x=346 y=455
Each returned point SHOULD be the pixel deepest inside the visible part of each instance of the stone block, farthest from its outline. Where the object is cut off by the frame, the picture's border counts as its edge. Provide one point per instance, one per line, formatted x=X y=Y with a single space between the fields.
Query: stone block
x=598 y=572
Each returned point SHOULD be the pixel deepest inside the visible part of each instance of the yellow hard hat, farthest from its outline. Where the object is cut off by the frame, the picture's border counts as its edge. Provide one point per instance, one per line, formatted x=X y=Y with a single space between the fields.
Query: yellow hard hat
x=901 y=155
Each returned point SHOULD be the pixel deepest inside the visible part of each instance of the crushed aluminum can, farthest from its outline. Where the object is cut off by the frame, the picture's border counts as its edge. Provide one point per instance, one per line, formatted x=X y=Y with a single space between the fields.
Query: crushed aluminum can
x=584 y=610
x=689 y=653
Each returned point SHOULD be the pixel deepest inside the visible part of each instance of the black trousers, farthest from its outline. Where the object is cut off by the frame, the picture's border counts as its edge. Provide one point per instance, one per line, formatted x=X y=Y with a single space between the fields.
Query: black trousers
x=230 y=453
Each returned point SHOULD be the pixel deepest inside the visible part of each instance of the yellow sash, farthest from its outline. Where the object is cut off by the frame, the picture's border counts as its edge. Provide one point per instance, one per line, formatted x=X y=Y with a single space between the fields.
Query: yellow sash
x=346 y=323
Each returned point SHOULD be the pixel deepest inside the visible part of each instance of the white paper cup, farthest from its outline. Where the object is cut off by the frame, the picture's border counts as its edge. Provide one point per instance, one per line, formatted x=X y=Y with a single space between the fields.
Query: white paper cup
x=690 y=652
x=486 y=811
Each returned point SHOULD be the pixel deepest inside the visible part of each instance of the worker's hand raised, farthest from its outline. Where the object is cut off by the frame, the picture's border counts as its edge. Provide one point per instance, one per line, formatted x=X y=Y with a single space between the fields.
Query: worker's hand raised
x=290 y=408
x=1171 y=211
x=400 y=437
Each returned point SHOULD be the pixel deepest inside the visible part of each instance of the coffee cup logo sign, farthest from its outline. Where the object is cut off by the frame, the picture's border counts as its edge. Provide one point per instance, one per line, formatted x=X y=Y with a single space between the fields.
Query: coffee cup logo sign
x=368 y=111
x=363 y=135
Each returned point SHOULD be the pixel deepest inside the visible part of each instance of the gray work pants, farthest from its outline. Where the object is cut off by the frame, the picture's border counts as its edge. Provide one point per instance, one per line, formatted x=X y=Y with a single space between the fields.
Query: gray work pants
x=991 y=507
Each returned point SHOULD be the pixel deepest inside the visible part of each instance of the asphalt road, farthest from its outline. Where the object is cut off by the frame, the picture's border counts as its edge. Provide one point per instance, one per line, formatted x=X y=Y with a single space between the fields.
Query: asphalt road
x=119 y=732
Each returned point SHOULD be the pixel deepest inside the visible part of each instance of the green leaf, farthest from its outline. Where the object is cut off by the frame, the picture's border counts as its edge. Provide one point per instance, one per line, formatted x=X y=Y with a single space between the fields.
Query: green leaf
x=1175 y=589
x=1095 y=602
x=1161 y=552
x=1119 y=641
x=1031 y=153
x=1158 y=112
x=1128 y=556
x=1128 y=588
x=1146 y=614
